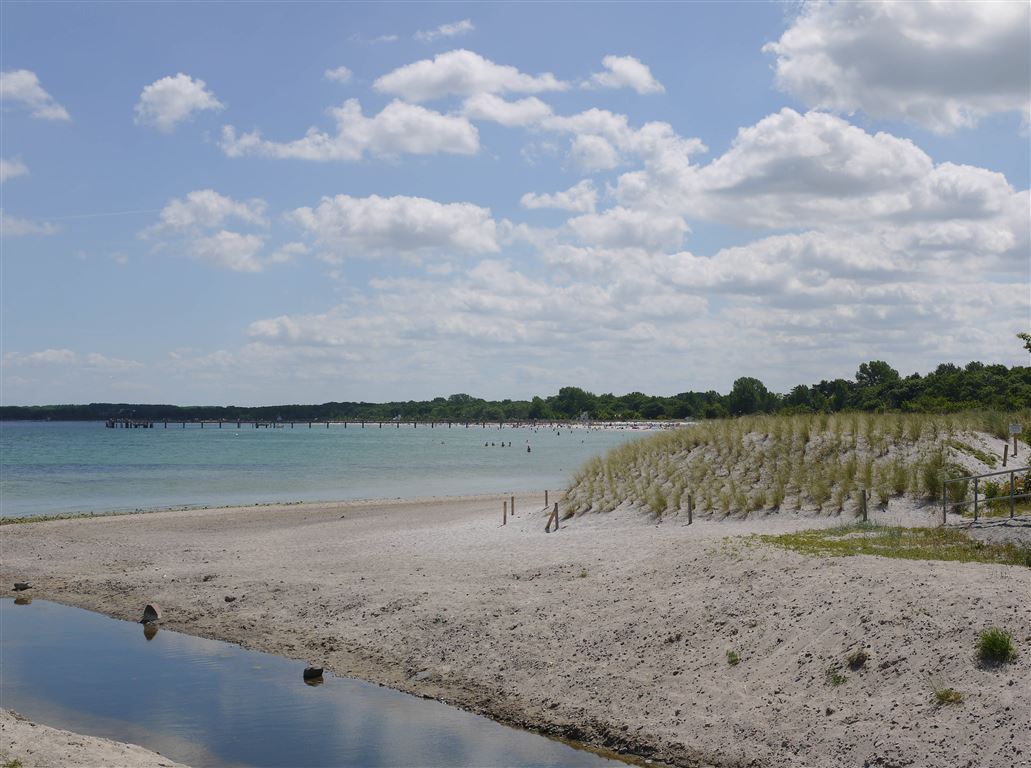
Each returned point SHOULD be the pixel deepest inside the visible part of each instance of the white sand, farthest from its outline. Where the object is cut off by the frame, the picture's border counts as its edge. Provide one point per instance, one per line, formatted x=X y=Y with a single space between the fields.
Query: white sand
x=614 y=630
x=39 y=746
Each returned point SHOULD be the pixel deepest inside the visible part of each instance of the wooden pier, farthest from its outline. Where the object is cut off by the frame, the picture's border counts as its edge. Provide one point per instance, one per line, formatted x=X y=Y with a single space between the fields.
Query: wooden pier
x=121 y=423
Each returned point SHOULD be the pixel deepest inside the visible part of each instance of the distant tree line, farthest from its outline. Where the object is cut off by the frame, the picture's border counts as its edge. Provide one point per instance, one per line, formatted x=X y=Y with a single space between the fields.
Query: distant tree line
x=876 y=387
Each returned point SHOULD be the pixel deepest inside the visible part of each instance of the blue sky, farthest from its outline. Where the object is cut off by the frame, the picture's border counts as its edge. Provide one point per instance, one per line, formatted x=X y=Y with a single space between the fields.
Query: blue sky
x=257 y=203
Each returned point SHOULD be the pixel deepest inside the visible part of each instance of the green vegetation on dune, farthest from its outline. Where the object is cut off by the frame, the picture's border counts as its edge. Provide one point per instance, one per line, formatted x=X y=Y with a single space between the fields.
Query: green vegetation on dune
x=817 y=462
x=898 y=542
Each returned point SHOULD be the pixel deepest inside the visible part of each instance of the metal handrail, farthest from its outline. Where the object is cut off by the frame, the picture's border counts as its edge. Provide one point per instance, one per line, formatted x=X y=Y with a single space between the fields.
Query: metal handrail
x=989 y=474
x=1011 y=496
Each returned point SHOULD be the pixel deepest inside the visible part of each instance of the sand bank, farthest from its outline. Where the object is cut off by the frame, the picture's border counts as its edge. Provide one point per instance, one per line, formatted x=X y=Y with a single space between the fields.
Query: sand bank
x=39 y=746
x=614 y=631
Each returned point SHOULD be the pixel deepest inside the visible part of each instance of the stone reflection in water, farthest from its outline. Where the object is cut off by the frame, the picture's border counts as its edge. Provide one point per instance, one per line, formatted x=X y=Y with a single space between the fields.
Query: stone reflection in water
x=23 y=601
x=216 y=705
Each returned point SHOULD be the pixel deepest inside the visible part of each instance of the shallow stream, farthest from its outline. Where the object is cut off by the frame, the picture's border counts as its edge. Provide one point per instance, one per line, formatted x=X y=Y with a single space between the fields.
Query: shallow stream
x=208 y=703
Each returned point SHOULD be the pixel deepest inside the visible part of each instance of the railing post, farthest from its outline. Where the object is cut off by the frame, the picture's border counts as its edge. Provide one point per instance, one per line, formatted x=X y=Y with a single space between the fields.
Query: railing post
x=975 y=499
x=1011 y=495
x=945 y=498
x=863 y=497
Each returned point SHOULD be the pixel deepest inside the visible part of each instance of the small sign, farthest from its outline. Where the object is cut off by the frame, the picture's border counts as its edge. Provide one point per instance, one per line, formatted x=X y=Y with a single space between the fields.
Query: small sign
x=1015 y=429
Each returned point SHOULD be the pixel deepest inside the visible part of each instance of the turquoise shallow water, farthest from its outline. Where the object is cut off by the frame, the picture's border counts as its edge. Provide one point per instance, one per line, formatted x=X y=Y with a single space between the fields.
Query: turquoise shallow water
x=62 y=467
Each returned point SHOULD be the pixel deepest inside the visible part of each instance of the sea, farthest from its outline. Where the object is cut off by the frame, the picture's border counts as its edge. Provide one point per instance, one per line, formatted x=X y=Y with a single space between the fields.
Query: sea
x=51 y=468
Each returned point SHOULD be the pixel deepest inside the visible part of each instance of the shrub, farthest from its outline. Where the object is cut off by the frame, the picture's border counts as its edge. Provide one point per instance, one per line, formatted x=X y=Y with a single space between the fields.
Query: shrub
x=995 y=646
x=857 y=658
x=732 y=658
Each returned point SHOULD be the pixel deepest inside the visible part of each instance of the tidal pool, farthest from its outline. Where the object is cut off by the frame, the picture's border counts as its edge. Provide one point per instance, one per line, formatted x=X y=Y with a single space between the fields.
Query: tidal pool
x=208 y=703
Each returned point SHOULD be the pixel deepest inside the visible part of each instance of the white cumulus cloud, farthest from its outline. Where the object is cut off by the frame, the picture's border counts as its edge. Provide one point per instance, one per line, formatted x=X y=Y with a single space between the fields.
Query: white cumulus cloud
x=207 y=209
x=942 y=65
x=67 y=357
x=523 y=112
x=463 y=73
x=15 y=226
x=384 y=225
x=581 y=198
x=627 y=228
x=625 y=72
x=169 y=101
x=11 y=168
x=454 y=29
x=232 y=250
x=400 y=128
x=21 y=86
x=593 y=153
x=338 y=75
x=816 y=170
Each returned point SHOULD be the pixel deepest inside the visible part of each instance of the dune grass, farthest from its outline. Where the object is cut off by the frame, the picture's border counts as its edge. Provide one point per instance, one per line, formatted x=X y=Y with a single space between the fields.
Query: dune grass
x=816 y=462
x=898 y=542
x=995 y=646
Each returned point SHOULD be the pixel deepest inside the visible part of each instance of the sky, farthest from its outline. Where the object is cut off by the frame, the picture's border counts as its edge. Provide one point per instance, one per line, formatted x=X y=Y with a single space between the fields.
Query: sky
x=260 y=203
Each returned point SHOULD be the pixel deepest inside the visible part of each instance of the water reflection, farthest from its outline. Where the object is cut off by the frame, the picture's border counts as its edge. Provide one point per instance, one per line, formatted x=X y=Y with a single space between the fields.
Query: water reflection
x=23 y=601
x=150 y=630
x=206 y=703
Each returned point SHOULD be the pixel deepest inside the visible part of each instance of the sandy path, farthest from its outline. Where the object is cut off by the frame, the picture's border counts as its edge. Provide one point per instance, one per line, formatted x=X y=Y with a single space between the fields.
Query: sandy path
x=613 y=631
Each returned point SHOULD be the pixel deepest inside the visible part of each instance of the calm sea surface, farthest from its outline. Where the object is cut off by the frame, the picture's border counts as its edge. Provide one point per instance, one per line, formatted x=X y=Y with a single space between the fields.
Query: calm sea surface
x=60 y=467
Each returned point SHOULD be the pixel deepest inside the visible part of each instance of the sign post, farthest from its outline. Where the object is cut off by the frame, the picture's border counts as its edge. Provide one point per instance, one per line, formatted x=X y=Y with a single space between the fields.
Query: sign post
x=1015 y=430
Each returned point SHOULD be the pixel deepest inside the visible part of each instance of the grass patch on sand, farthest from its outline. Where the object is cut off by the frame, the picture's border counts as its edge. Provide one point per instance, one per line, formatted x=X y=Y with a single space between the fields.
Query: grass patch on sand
x=835 y=677
x=946 y=695
x=898 y=542
x=977 y=453
x=995 y=646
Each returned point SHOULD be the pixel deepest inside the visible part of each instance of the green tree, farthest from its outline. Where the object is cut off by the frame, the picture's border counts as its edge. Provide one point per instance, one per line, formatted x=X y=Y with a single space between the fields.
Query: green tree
x=875 y=373
x=572 y=401
x=748 y=396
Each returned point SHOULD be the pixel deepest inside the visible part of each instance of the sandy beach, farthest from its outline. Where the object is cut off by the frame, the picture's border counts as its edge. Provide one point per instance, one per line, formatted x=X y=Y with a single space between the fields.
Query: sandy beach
x=614 y=631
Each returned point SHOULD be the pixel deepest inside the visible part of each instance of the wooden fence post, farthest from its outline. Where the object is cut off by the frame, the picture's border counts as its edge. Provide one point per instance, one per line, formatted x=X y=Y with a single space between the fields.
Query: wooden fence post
x=690 y=509
x=975 y=499
x=863 y=502
x=504 y=513
x=1005 y=453
x=552 y=516
x=945 y=499
x=513 y=506
x=545 y=498
x=1011 y=495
